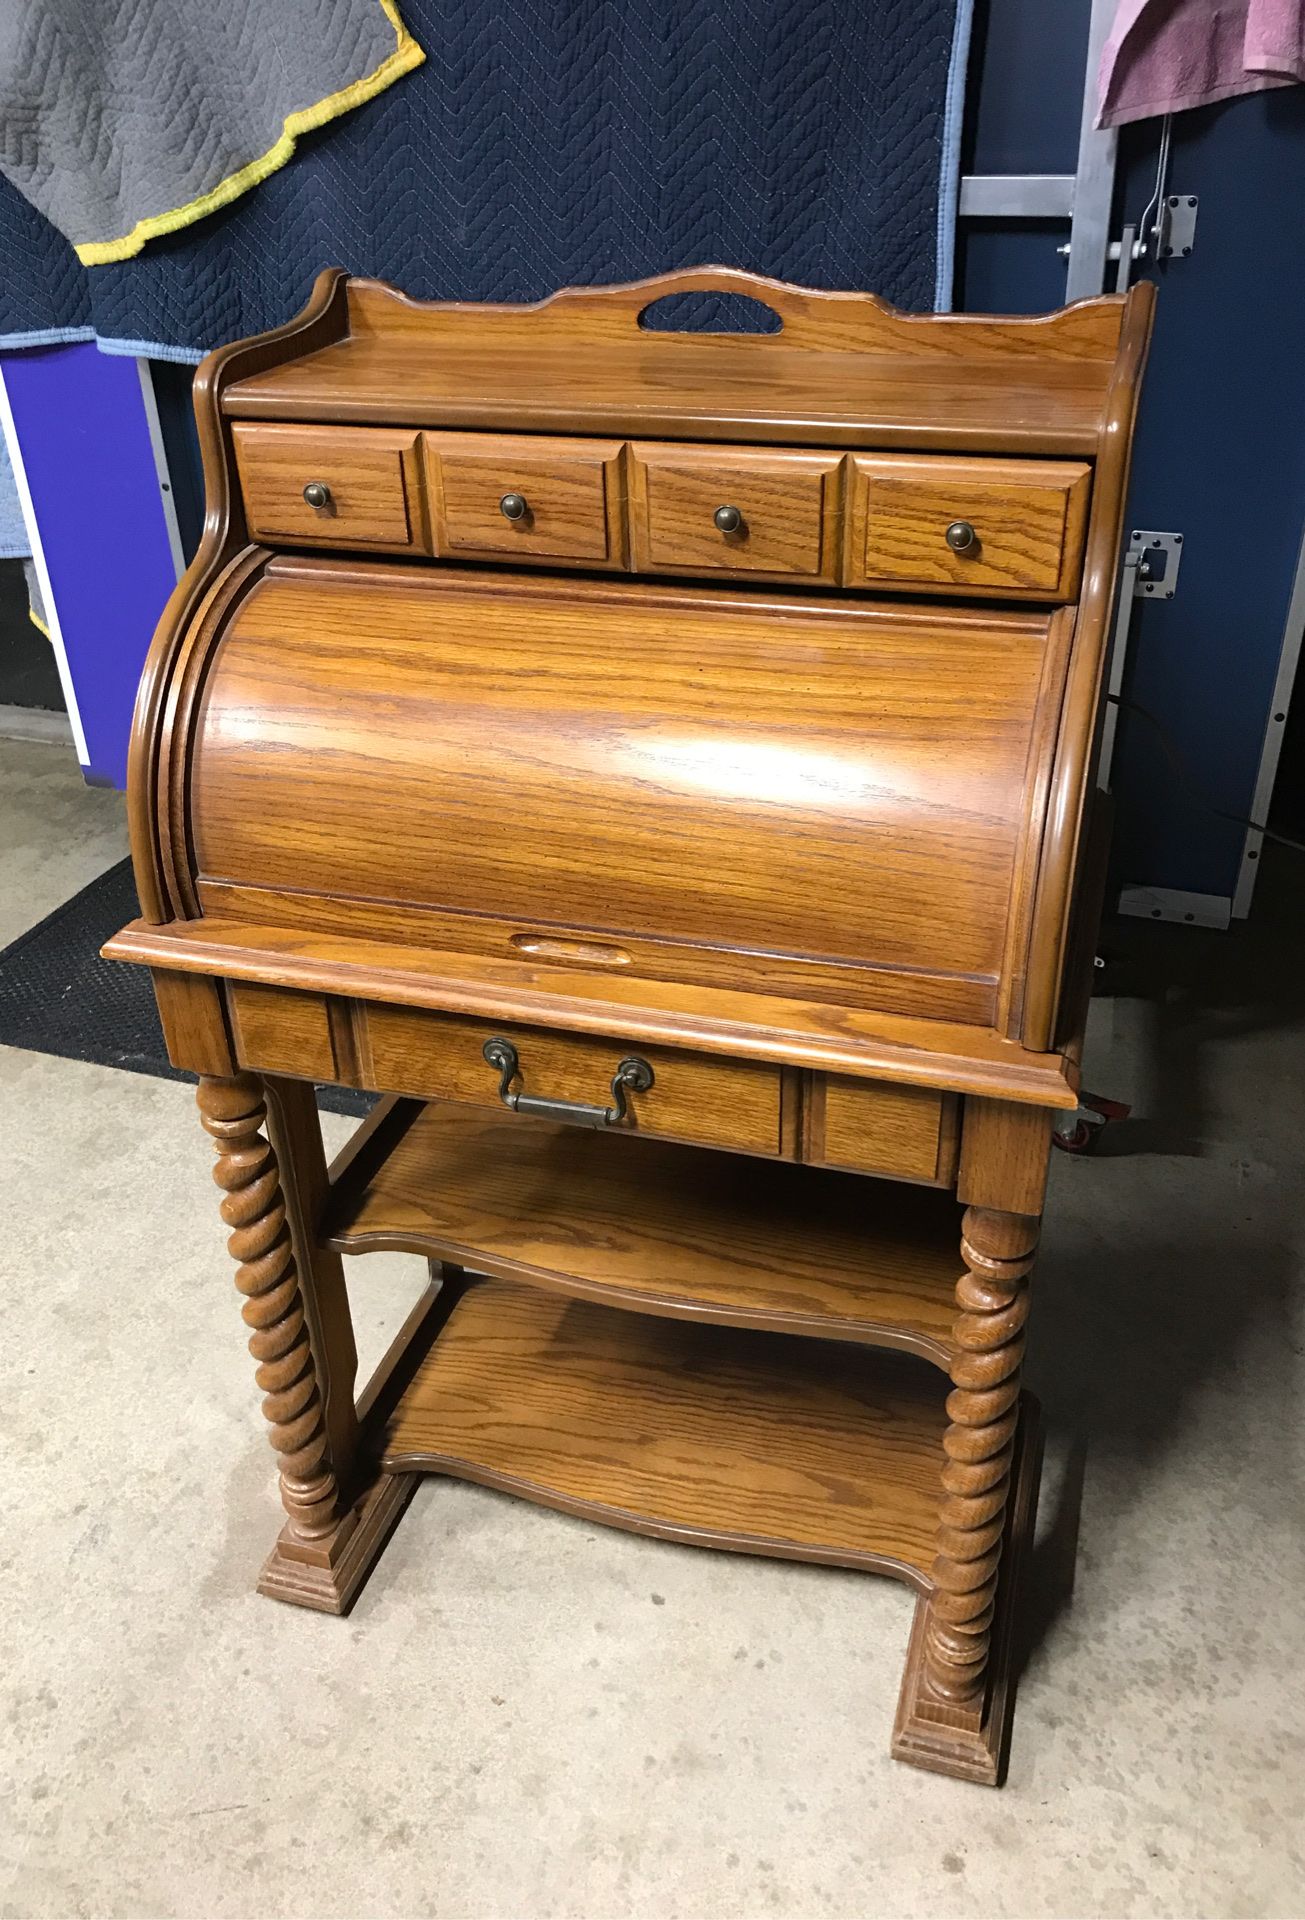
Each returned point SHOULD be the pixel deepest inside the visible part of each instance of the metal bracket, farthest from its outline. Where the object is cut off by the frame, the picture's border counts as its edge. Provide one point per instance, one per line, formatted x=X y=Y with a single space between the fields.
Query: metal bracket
x=1175 y=232
x=1155 y=559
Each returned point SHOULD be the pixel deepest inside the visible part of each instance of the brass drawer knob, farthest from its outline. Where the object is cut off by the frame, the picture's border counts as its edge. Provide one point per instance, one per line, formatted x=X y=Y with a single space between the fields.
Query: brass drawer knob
x=633 y=1072
x=514 y=506
x=317 y=493
x=727 y=519
x=961 y=537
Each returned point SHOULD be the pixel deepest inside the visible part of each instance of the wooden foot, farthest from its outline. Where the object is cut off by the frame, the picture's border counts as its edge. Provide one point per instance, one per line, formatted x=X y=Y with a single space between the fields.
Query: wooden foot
x=970 y=1741
x=330 y=1576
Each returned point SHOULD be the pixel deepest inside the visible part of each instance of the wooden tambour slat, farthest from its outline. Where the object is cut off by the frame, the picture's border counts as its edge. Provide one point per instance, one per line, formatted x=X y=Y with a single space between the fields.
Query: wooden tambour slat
x=450 y=741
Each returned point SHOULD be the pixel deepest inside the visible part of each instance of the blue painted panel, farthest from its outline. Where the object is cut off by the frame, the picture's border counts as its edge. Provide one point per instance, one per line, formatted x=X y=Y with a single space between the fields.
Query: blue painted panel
x=1220 y=458
x=1220 y=453
x=1026 y=95
x=1026 y=86
x=82 y=430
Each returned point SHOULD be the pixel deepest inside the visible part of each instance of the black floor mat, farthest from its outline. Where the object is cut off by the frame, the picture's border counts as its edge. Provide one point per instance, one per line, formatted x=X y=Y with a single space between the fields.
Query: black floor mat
x=58 y=996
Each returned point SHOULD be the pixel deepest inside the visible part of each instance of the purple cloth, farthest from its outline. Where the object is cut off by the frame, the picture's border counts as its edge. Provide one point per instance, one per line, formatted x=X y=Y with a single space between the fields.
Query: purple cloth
x=1163 y=56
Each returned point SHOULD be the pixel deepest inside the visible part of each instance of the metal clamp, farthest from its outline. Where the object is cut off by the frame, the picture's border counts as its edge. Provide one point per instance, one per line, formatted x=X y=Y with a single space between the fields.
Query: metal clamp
x=634 y=1073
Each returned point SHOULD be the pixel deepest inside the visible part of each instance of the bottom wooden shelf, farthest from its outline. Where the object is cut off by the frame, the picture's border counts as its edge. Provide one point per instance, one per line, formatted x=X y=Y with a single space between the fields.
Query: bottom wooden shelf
x=720 y=1436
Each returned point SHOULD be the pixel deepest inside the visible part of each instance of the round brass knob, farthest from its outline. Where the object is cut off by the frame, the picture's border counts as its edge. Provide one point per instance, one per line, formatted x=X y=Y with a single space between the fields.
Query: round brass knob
x=961 y=537
x=727 y=519
x=317 y=493
x=514 y=506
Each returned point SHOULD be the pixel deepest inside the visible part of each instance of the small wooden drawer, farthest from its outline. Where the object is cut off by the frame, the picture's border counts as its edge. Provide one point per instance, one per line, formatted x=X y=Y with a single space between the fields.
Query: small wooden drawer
x=994 y=527
x=716 y=1103
x=369 y=480
x=684 y=502
x=906 y=1133
x=499 y=497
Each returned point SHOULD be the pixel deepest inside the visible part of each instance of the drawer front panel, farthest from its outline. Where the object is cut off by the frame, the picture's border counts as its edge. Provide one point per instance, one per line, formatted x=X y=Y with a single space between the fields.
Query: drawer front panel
x=716 y=1103
x=371 y=480
x=1012 y=527
x=496 y=497
x=786 y=506
x=905 y=1133
x=279 y=1030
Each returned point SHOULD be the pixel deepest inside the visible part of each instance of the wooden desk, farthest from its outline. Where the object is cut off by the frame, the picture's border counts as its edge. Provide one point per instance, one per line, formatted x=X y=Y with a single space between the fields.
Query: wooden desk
x=660 y=765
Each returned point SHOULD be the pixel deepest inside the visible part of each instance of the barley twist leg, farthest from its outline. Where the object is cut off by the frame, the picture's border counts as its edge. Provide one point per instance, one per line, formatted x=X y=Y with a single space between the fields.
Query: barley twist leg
x=983 y=1409
x=233 y=1113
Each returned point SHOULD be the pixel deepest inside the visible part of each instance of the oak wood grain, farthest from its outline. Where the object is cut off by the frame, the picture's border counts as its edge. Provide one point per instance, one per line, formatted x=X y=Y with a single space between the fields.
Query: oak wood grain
x=1028 y=518
x=960 y=998
x=972 y=1742
x=324 y=318
x=843 y=370
x=1004 y=1153
x=373 y=478
x=914 y=1052
x=790 y=505
x=278 y=1031
x=661 y=1228
x=572 y=489
x=1074 y=771
x=766 y=834
x=717 y=1103
x=666 y=1428
x=907 y=1133
x=715 y=778
x=194 y=1024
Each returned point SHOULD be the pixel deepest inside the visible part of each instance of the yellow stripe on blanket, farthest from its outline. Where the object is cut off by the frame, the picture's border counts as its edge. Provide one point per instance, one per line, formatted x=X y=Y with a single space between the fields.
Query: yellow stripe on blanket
x=407 y=55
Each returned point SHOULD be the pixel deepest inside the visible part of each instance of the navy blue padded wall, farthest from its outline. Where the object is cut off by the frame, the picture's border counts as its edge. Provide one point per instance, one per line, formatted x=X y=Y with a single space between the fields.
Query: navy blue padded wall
x=545 y=146
x=1220 y=450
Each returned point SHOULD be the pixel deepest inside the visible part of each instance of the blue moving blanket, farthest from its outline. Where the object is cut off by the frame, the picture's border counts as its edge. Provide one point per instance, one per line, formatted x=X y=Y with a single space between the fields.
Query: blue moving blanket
x=545 y=145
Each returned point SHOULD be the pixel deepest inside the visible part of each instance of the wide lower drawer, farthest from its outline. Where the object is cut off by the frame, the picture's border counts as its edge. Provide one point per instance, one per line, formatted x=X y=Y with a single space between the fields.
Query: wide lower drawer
x=667 y=1093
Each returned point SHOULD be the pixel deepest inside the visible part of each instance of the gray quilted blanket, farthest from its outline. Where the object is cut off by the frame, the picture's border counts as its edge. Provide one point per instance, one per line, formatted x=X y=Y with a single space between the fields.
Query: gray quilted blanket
x=124 y=119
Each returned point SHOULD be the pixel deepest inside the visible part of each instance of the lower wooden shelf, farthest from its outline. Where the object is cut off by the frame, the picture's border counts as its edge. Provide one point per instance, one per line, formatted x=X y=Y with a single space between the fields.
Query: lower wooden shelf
x=717 y=1436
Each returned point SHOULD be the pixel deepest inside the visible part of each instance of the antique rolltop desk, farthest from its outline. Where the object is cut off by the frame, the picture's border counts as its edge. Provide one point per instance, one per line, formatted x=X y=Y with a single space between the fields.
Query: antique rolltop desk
x=662 y=765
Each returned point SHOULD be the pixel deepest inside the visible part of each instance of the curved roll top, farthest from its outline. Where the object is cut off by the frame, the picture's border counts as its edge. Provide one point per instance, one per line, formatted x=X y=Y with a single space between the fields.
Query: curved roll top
x=838 y=799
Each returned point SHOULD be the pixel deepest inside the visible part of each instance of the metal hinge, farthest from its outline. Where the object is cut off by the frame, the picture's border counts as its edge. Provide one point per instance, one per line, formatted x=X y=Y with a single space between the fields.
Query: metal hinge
x=1175 y=228
x=1154 y=559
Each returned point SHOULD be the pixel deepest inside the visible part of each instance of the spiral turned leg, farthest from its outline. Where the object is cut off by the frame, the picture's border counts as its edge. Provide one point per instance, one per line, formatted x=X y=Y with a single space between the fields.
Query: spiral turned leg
x=983 y=1409
x=958 y=1690
x=233 y=1112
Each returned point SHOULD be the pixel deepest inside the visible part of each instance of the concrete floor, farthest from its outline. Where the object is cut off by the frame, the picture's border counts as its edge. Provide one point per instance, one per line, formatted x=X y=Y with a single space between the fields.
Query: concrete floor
x=527 y=1716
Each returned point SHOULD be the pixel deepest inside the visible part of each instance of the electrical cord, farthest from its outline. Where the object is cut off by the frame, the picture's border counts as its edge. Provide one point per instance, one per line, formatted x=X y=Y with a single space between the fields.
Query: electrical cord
x=1193 y=792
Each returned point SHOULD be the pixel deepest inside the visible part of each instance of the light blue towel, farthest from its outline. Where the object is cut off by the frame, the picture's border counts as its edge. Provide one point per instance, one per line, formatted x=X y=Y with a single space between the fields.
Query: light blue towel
x=14 y=544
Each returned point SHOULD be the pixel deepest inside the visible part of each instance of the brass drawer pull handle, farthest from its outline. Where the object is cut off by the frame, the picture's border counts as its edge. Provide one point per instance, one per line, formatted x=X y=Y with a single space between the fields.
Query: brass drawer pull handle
x=728 y=520
x=633 y=1073
x=961 y=537
x=317 y=493
x=514 y=506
